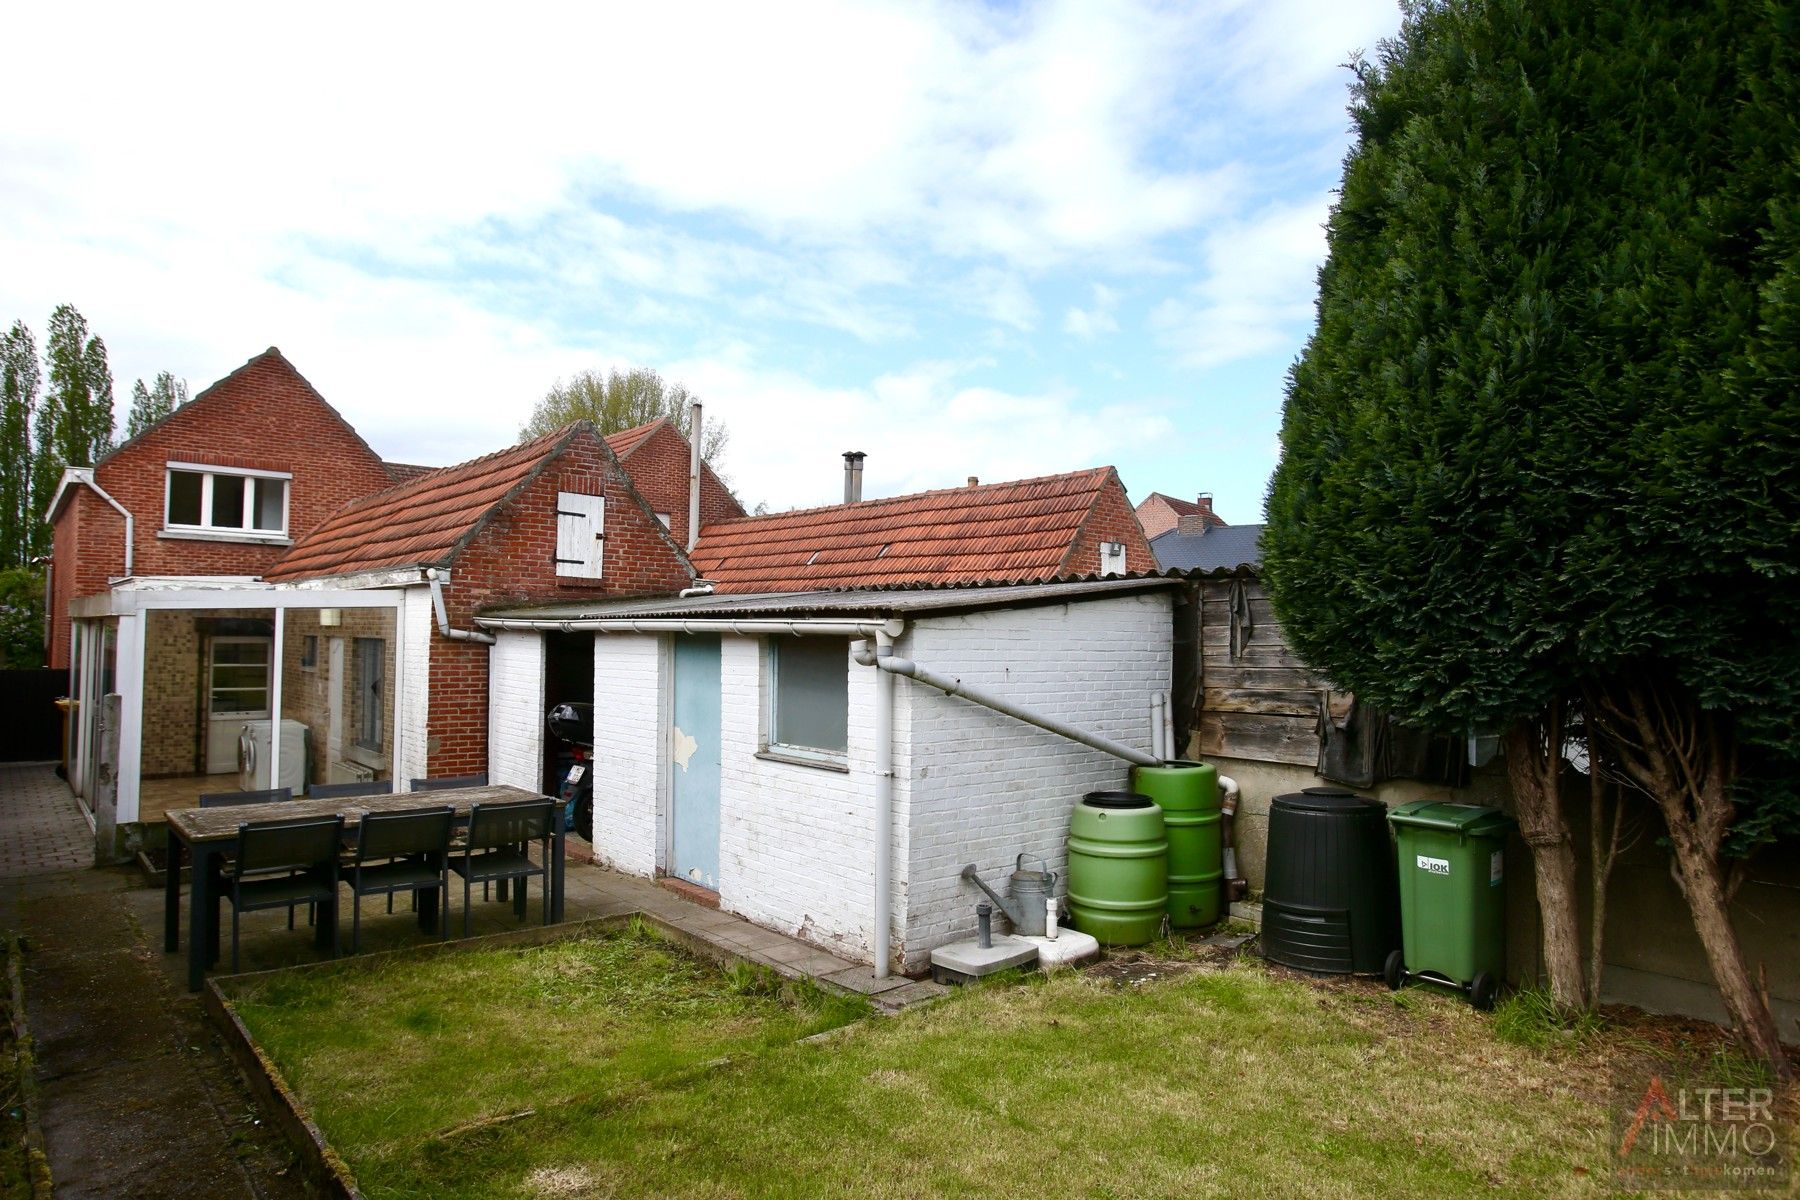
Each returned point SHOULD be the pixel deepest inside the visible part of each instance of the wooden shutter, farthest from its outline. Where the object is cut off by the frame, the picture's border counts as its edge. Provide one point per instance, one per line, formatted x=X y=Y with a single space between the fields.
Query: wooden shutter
x=580 y=535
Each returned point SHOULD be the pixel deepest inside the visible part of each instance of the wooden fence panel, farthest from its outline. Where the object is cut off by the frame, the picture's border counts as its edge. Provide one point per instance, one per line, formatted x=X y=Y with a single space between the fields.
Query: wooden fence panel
x=30 y=723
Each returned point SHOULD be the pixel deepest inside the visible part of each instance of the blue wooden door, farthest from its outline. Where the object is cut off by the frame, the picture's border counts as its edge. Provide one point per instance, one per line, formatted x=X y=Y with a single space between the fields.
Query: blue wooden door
x=694 y=761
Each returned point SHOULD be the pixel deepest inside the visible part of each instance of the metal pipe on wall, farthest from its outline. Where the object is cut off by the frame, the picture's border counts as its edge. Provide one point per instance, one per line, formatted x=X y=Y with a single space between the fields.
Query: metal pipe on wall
x=693 y=529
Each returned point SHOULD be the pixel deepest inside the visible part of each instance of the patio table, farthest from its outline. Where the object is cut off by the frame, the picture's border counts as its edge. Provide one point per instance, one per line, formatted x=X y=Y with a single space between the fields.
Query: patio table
x=206 y=833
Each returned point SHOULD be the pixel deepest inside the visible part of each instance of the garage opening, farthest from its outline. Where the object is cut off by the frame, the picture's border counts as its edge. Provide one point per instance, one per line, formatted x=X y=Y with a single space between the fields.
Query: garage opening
x=568 y=679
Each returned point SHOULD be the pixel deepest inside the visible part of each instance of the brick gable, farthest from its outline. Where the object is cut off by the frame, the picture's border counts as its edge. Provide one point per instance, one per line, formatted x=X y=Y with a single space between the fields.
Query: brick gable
x=657 y=457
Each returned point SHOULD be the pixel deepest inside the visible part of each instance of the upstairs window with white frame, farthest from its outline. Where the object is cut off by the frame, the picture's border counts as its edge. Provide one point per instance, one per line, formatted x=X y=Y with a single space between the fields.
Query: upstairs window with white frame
x=226 y=502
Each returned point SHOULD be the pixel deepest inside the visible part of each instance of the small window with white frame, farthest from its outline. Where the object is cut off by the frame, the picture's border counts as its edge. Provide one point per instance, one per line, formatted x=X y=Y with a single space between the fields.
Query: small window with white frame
x=809 y=698
x=226 y=502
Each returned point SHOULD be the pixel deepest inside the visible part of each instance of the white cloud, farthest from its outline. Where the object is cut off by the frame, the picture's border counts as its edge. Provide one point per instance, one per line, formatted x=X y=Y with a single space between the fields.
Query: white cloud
x=1089 y=323
x=437 y=213
x=1256 y=291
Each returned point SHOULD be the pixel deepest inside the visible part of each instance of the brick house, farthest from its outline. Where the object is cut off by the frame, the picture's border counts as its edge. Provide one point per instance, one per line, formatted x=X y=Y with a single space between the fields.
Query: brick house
x=266 y=607
x=1159 y=513
x=753 y=751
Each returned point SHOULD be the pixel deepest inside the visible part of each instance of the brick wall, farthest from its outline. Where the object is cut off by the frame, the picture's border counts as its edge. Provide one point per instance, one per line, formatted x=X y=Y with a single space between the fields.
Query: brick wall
x=172 y=738
x=796 y=843
x=263 y=416
x=631 y=757
x=516 y=689
x=997 y=787
x=1112 y=520
x=658 y=466
x=511 y=562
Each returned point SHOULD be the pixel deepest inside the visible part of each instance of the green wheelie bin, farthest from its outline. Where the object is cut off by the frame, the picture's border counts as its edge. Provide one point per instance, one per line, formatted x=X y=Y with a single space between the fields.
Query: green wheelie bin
x=1452 y=897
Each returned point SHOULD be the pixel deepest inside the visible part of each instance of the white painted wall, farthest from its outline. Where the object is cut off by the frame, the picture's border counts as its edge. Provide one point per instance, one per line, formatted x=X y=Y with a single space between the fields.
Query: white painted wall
x=987 y=787
x=515 y=698
x=796 y=842
x=416 y=625
x=630 y=750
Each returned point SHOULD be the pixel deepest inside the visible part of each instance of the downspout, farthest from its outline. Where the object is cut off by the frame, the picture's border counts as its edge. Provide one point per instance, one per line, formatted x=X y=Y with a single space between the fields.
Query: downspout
x=443 y=617
x=693 y=530
x=884 y=790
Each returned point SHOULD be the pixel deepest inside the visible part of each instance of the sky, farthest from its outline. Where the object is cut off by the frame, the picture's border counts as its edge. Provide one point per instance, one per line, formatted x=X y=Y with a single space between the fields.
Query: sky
x=1002 y=241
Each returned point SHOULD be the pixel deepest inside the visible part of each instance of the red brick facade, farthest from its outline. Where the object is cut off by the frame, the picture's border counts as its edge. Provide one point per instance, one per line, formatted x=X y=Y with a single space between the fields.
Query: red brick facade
x=1159 y=513
x=510 y=561
x=658 y=465
x=1110 y=520
x=263 y=416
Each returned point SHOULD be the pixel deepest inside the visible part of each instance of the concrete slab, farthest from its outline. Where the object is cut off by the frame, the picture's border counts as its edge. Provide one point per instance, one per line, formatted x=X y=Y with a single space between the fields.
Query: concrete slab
x=1069 y=947
x=915 y=992
x=962 y=961
x=862 y=980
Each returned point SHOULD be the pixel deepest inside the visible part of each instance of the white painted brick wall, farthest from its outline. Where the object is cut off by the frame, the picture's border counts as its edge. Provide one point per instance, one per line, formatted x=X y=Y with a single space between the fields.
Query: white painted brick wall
x=416 y=626
x=515 y=700
x=987 y=787
x=796 y=843
x=630 y=750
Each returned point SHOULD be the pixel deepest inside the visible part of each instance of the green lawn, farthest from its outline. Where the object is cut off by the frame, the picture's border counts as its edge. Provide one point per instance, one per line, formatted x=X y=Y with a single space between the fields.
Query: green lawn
x=1223 y=1080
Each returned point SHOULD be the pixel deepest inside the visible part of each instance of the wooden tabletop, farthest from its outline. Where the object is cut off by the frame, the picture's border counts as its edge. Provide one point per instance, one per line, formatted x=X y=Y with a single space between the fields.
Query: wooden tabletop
x=221 y=824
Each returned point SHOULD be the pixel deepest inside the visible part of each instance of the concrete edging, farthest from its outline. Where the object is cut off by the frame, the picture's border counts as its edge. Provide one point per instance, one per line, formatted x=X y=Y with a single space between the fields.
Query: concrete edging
x=37 y=1162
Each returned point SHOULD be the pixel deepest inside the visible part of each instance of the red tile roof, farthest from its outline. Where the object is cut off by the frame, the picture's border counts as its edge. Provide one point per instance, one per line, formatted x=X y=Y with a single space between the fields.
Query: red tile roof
x=627 y=440
x=406 y=472
x=1181 y=508
x=422 y=522
x=1012 y=532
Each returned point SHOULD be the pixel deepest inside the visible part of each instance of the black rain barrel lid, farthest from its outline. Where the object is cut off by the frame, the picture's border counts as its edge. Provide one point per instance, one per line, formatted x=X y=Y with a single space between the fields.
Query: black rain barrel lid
x=1117 y=800
x=1325 y=799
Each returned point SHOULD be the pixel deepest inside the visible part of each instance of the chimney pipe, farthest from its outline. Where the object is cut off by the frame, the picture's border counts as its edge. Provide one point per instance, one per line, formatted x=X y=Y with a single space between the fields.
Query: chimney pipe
x=693 y=529
x=853 y=460
x=974 y=481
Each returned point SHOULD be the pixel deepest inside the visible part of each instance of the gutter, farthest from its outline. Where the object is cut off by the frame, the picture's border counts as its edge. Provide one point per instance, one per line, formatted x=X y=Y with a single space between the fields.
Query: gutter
x=799 y=626
x=435 y=578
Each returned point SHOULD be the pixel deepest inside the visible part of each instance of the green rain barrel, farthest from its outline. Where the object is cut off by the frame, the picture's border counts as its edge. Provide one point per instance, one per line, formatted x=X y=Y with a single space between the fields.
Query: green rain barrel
x=1118 y=868
x=1188 y=794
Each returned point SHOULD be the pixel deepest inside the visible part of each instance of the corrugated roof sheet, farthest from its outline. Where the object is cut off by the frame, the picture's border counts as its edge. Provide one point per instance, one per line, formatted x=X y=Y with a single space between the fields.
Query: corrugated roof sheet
x=419 y=523
x=1222 y=547
x=627 y=440
x=873 y=602
x=1001 y=532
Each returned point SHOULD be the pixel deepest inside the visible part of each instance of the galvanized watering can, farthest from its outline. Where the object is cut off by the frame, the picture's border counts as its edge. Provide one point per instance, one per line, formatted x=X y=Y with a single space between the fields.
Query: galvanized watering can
x=1031 y=891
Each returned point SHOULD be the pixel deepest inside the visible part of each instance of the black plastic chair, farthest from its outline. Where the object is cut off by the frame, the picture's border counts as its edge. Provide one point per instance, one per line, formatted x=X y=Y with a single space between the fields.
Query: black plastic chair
x=405 y=851
x=497 y=849
x=280 y=864
x=341 y=791
x=265 y=796
x=454 y=781
x=227 y=799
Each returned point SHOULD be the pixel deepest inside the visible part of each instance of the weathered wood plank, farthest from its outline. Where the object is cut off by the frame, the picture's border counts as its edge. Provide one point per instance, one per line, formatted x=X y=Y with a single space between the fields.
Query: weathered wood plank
x=1218 y=636
x=1239 y=700
x=1259 y=738
x=1254 y=655
x=1258 y=678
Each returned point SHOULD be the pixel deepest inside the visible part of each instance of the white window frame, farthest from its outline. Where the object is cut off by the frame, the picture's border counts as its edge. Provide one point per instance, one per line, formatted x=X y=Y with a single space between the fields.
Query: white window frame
x=1112 y=558
x=207 y=531
x=787 y=750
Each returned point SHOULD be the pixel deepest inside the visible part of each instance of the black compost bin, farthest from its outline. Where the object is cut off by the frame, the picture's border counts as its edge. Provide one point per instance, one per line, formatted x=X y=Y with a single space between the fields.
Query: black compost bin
x=1331 y=899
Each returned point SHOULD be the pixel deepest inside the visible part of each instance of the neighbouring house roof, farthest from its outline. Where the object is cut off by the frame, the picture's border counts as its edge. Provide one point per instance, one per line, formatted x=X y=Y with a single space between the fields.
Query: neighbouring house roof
x=422 y=522
x=625 y=441
x=406 y=472
x=855 y=602
x=996 y=532
x=1181 y=508
x=1221 y=547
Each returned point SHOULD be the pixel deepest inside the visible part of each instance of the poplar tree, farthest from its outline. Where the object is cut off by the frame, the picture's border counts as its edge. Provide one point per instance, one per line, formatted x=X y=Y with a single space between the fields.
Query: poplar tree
x=151 y=404
x=19 y=379
x=75 y=421
x=1544 y=445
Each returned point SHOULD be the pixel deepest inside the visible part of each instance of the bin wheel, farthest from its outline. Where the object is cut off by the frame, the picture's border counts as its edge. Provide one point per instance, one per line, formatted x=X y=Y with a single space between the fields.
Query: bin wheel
x=1482 y=991
x=1394 y=970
